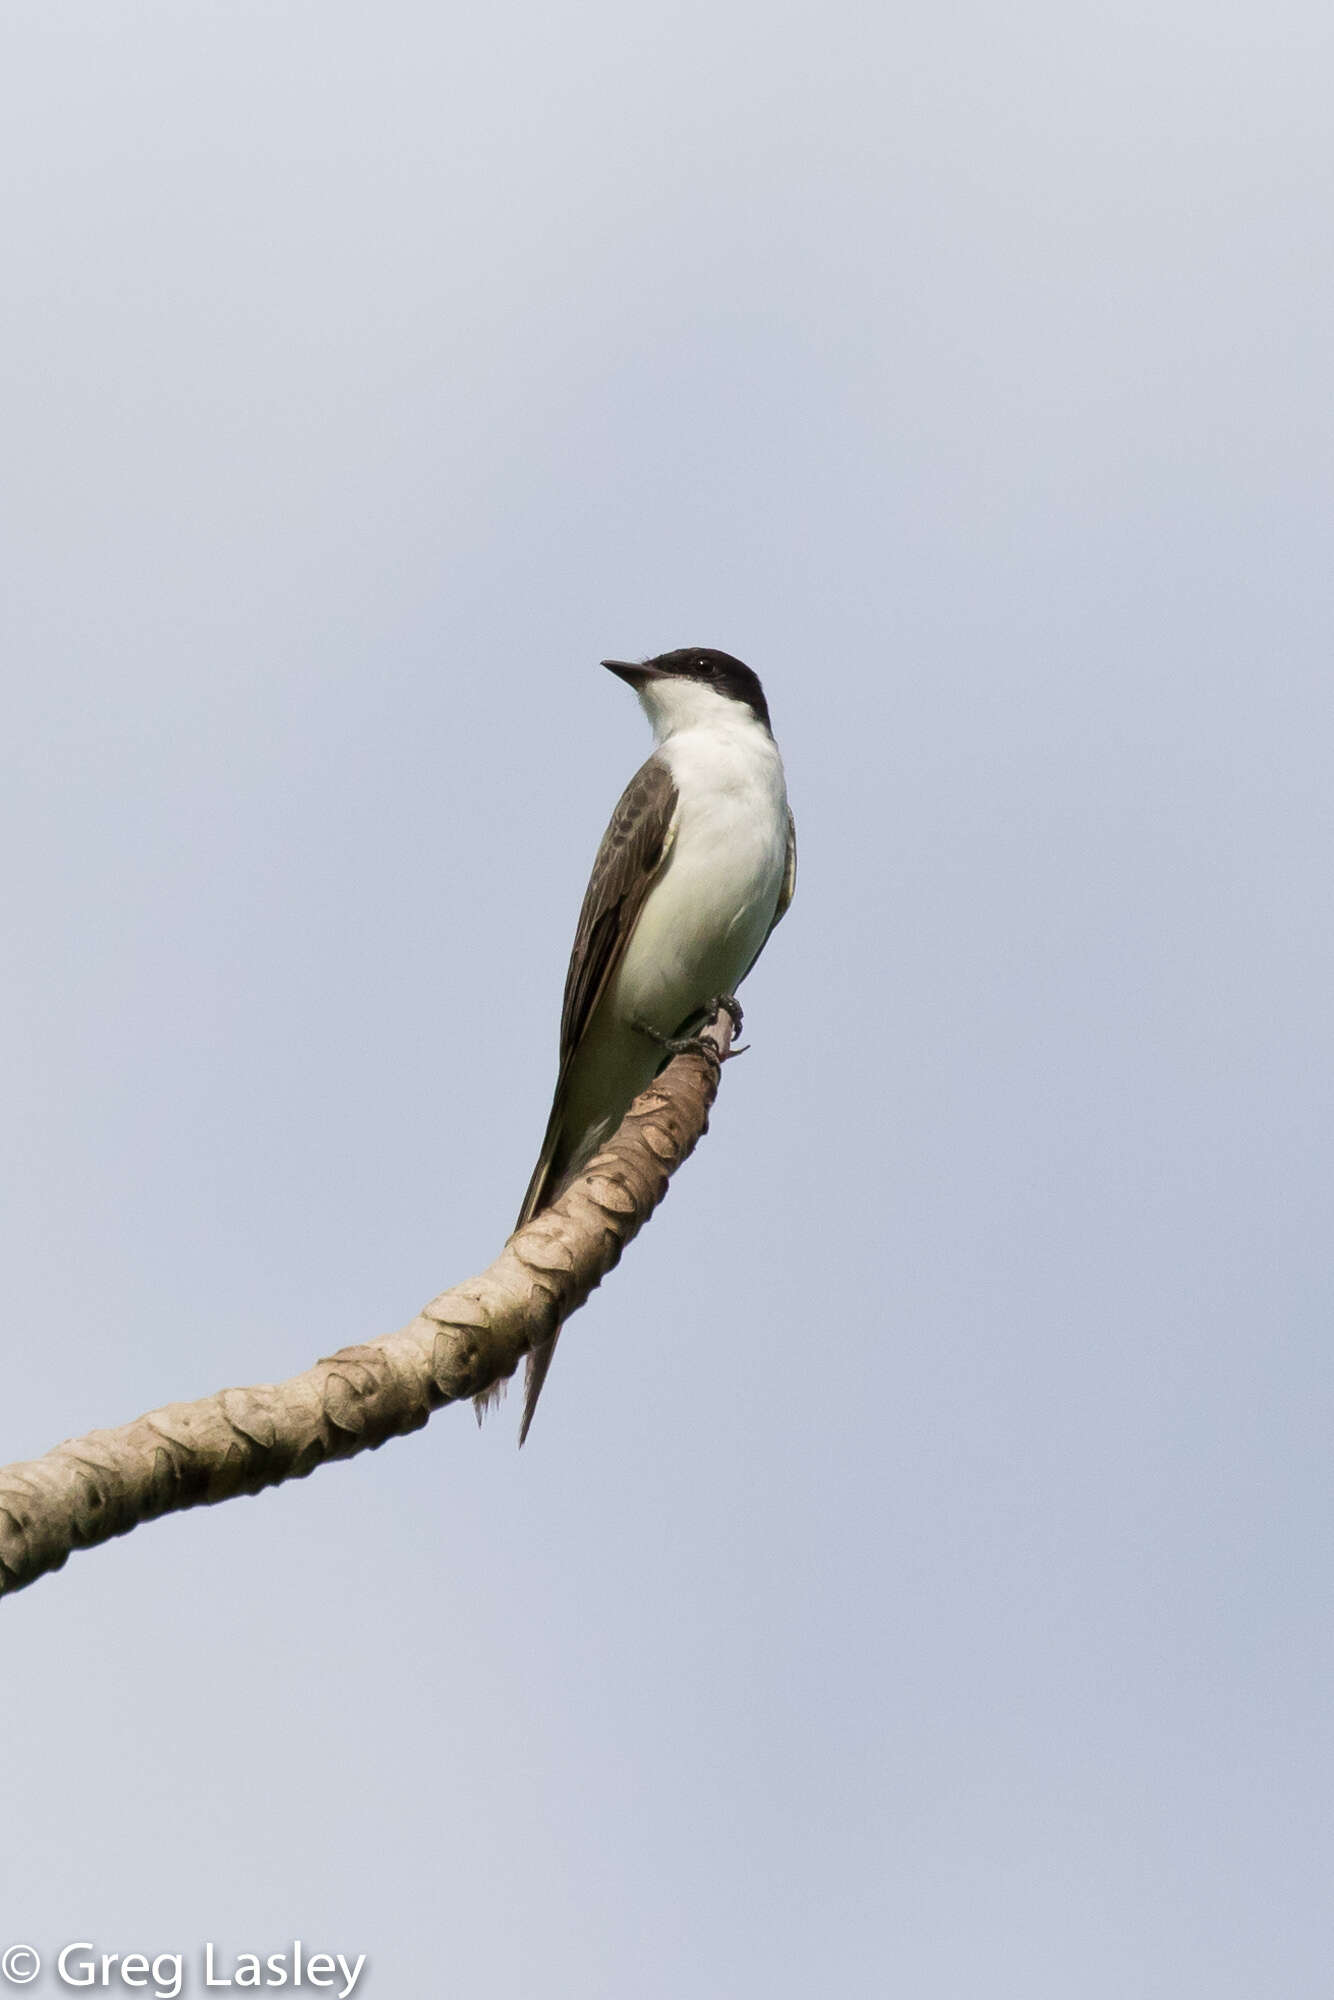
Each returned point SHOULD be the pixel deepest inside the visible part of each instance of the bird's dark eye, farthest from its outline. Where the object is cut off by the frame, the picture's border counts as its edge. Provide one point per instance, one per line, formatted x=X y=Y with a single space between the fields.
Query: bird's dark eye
x=705 y=666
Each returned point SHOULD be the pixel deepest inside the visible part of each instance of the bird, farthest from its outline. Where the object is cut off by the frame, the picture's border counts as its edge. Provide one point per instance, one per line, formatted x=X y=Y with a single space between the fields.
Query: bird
x=697 y=866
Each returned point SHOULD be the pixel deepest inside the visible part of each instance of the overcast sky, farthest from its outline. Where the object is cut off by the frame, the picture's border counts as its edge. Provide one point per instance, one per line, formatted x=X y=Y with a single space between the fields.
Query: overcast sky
x=917 y=1580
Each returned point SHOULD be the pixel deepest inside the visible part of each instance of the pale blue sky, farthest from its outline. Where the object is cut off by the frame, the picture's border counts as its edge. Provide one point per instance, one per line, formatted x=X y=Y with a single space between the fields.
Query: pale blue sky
x=917 y=1581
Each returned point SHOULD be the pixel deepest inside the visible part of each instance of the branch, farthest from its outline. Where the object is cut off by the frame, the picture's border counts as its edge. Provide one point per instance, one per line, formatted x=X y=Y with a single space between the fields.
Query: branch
x=242 y=1440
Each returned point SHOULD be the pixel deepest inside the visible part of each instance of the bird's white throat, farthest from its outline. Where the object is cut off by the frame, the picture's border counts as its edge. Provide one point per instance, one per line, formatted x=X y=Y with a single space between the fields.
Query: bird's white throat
x=675 y=702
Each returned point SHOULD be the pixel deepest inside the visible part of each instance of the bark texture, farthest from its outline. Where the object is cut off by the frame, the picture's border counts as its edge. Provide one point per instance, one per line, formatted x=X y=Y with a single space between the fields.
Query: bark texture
x=242 y=1440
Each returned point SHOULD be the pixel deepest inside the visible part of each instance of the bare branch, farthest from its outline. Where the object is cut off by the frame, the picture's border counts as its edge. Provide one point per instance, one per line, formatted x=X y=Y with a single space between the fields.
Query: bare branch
x=242 y=1440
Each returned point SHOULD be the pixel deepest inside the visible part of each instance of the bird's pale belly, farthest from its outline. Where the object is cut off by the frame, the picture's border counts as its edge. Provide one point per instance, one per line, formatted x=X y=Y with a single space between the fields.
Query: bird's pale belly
x=698 y=934
x=689 y=947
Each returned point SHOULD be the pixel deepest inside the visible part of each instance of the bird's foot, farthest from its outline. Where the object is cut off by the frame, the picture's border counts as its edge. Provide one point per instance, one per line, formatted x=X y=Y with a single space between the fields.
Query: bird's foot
x=733 y=1009
x=697 y=1045
x=677 y=1045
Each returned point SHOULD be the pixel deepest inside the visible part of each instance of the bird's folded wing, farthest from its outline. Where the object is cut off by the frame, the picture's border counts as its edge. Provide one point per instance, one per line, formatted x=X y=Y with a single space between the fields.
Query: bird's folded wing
x=633 y=851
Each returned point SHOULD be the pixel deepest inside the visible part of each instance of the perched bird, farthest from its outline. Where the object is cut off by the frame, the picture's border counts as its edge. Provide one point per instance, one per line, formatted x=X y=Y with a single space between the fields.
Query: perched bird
x=697 y=866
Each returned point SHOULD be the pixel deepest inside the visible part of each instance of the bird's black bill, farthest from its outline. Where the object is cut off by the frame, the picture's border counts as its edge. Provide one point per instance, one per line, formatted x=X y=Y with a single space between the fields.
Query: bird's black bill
x=632 y=671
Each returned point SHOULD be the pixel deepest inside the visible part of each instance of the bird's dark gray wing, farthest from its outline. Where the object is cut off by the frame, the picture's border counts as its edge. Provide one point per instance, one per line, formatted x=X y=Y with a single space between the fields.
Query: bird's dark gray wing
x=633 y=851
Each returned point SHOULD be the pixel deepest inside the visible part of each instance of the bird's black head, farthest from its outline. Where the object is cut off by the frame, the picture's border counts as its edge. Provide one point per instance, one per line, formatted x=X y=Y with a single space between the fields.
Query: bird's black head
x=729 y=676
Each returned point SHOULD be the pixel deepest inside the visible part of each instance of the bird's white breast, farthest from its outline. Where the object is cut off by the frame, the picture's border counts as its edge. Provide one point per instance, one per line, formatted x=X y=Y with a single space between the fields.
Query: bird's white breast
x=708 y=914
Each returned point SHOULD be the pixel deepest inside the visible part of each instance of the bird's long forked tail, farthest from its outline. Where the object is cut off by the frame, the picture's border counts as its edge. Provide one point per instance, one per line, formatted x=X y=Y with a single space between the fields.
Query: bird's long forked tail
x=543 y=1189
x=539 y=1360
